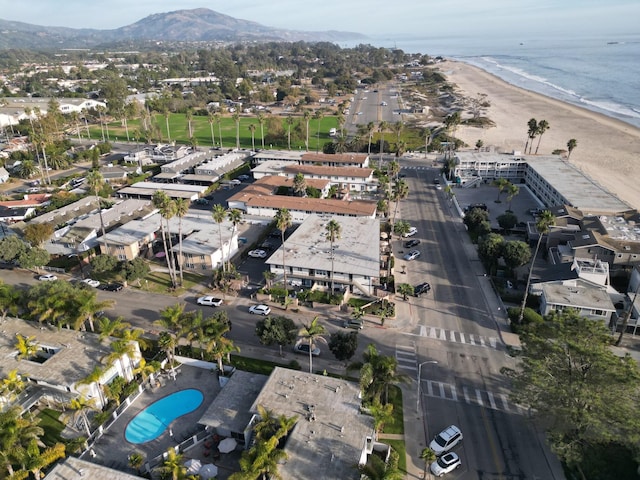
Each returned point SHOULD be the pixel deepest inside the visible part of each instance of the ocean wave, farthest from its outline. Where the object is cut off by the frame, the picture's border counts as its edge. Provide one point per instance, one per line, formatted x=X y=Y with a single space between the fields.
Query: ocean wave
x=611 y=107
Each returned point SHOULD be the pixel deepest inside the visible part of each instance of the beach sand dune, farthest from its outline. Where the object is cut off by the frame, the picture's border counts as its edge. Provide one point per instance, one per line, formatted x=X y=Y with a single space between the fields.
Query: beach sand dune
x=608 y=149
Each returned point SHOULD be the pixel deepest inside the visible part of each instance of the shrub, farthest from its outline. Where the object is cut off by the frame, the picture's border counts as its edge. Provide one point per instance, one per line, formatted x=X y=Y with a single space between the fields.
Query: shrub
x=294 y=365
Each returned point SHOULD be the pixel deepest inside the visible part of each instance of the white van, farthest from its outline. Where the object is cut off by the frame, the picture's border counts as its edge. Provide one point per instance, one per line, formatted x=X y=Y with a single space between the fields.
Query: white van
x=332 y=132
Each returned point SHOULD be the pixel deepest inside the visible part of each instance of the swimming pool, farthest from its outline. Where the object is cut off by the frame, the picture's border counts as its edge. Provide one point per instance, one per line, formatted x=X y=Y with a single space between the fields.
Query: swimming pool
x=151 y=422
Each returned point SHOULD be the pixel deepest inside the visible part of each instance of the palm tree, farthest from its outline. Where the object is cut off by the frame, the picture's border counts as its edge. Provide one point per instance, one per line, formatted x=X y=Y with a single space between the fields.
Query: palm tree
x=397 y=129
x=283 y=221
x=307 y=117
x=377 y=373
x=318 y=115
x=571 y=144
x=376 y=469
x=27 y=347
x=332 y=231
x=167 y=342
x=369 y=130
x=236 y=118
x=96 y=182
x=382 y=127
x=312 y=333
x=218 y=213
x=428 y=456
x=543 y=225
x=299 y=184
x=33 y=460
x=211 y=119
x=108 y=327
x=543 y=126
x=85 y=306
x=218 y=121
x=165 y=206
x=512 y=191
x=261 y=121
x=181 y=209
x=400 y=192
x=171 y=317
x=501 y=183
x=426 y=133
x=189 y=117
x=289 y=122
x=80 y=405
x=12 y=384
x=172 y=466
x=235 y=217
x=532 y=131
x=252 y=129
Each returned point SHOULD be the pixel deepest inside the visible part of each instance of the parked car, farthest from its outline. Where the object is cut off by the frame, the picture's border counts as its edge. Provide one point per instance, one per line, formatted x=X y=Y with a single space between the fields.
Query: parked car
x=112 y=287
x=446 y=440
x=411 y=232
x=201 y=201
x=412 y=255
x=244 y=178
x=257 y=254
x=91 y=282
x=412 y=243
x=210 y=301
x=355 y=323
x=445 y=464
x=304 y=348
x=235 y=181
x=259 y=309
x=421 y=288
x=48 y=277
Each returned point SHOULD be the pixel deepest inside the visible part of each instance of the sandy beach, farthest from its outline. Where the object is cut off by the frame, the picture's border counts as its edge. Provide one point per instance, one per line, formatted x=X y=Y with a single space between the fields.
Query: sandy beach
x=608 y=149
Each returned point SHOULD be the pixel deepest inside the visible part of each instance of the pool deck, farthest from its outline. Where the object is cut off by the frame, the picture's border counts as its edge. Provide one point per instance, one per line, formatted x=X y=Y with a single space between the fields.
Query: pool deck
x=112 y=449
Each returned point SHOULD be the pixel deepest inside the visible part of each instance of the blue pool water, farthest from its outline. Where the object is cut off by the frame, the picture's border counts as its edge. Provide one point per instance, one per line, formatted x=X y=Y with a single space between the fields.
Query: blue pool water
x=151 y=422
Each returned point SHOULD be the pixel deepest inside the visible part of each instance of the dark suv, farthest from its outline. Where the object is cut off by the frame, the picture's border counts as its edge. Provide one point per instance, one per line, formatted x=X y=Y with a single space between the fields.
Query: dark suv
x=420 y=289
x=412 y=243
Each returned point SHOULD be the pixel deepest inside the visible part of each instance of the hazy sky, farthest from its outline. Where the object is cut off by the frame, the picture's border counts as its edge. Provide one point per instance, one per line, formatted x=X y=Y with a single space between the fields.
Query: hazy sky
x=377 y=18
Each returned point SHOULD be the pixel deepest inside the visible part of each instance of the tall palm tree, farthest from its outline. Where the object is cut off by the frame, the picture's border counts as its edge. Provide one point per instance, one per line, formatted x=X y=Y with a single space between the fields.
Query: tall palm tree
x=235 y=217
x=289 y=122
x=33 y=460
x=307 y=118
x=27 y=346
x=532 y=131
x=182 y=208
x=400 y=192
x=94 y=377
x=172 y=467
x=426 y=133
x=236 y=118
x=397 y=129
x=218 y=120
x=189 y=117
x=543 y=126
x=163 y=203
x=261 y=121
x=512 y=191
x=252 y=129
x=318 y=115
x=12 y=384
x=110 y=327
x=211 y=119
x=218 y=212
x=571 y=145
x=377 y=373
x=332 y=231
x=80 y=405
x=167 y=342
x=85 y=305
x=502 y=184
x=283 y=221
x=370 y=128
x=96 y=182
x=312 y=333
x=543 y=225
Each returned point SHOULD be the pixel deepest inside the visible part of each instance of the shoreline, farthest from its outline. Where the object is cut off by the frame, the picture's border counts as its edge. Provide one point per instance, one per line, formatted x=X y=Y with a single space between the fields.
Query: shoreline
x=608 y=149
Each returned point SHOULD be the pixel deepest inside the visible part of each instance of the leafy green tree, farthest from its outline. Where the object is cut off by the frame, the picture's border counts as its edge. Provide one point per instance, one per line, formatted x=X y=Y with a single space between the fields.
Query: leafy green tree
x=490 y=250
x=516 y=253
x=476 y=221
x=8 y=299
x=104 y=263
x=276 y=330
x=312 y=333
x=507 y=221
x=343 y=345
x=405 y=289
x=576 y=386
x=11 y=247
x=377 y=469
x=37 y=233
x=135 y=269
x=34 y=257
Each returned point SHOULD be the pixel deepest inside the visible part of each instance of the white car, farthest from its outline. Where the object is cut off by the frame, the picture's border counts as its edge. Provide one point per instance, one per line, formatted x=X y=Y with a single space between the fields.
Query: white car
x=49 y=277
x=260 y=309
x=91 y=282
x=446 y=440
x=411 y=232
x=412 y=255
x=445 y=464
x=209 y=301
x=235 y=181
x=257 y=254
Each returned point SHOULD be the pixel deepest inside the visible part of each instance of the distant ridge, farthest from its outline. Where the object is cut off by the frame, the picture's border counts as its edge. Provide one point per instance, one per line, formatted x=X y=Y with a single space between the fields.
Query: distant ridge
x=196 y=25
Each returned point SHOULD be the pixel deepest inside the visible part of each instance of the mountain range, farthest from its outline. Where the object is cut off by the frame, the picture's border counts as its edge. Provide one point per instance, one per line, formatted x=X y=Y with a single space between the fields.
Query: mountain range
x=196 y=25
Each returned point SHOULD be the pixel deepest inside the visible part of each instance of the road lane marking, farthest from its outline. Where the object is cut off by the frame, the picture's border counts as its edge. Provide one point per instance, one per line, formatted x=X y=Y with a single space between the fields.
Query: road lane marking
x=453 y=336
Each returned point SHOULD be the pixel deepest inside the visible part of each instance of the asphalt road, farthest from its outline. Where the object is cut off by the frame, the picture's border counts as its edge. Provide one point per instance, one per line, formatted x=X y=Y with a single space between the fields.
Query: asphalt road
x=455 y=327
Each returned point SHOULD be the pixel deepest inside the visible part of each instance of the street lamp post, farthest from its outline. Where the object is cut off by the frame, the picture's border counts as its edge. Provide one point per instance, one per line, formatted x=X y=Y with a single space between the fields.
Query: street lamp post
x=434 y=362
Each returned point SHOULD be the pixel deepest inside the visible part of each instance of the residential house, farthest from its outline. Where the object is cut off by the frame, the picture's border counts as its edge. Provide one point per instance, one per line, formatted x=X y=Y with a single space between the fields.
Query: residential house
x=587 y=298
x=301 y=207
x=353 y=160
x=72 y=468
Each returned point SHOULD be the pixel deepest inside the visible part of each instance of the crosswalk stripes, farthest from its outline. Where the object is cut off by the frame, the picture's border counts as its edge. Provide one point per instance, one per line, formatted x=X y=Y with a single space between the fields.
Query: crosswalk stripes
x=406 y=357
x=456 y=337
x=481 y=398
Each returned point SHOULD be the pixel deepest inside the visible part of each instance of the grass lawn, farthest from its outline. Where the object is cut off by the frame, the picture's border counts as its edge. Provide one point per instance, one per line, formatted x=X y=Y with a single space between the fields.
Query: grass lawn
x=254 y=365
x=51 y=425
x=399 y=447
x=395 y=398
x=159 y=282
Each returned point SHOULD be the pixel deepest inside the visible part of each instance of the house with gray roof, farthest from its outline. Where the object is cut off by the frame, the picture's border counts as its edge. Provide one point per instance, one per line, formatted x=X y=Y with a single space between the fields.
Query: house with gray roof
x=587 y=298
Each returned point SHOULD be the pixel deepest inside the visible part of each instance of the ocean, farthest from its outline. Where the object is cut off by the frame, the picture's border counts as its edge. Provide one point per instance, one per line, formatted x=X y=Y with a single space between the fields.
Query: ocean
x=601 y=74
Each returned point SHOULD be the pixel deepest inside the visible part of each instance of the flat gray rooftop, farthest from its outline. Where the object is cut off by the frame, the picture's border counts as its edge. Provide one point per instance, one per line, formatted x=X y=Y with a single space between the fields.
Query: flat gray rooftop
x=72 y=468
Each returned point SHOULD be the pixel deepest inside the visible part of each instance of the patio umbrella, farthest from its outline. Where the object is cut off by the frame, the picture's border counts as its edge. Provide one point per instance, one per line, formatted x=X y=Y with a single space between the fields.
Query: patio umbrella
x=193 y=466
x=227 y=445
x=208 y=470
